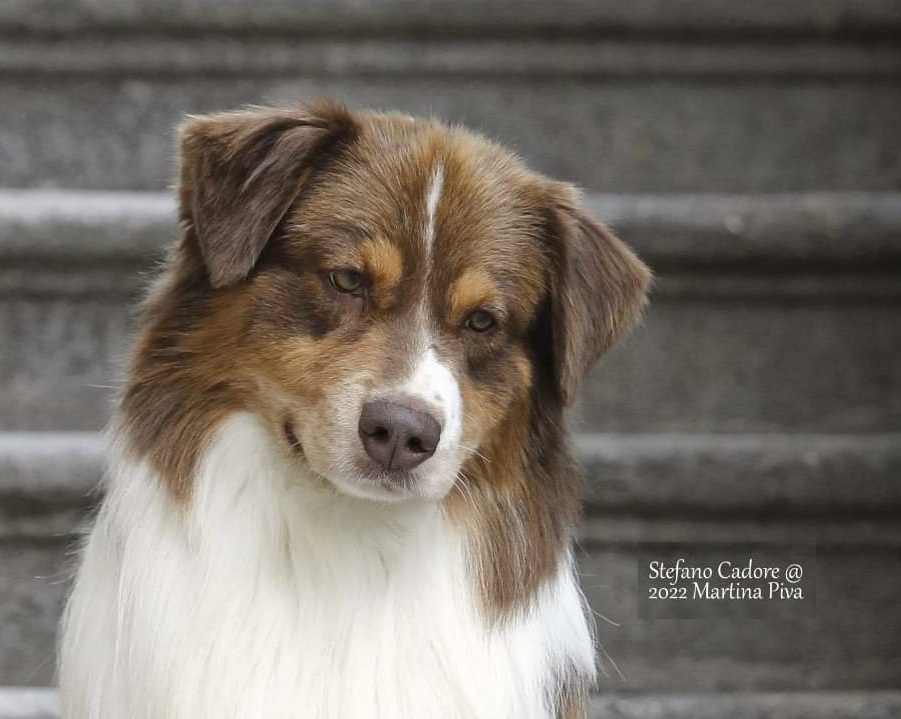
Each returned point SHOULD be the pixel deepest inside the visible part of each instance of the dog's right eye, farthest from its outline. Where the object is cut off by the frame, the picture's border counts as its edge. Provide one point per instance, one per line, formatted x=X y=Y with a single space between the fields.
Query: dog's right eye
x=349 y=282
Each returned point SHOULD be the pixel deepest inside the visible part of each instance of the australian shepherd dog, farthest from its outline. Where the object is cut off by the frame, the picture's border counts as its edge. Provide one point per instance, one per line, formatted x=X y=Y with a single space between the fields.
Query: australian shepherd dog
x=339 y=483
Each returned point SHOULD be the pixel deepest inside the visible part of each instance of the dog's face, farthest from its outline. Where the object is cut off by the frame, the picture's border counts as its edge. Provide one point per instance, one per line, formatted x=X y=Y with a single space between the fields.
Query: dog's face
x=388 y=293
x=391 y=322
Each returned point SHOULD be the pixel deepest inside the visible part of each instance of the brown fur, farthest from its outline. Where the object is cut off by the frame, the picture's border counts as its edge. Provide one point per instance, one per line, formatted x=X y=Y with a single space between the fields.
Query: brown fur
x=229 y=164
x=572 y=698
x=600 y=292
x=244 y=317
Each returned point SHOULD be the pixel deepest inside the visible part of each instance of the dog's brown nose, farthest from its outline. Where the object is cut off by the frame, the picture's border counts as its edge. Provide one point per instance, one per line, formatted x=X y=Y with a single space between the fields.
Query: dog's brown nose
x=397 y=437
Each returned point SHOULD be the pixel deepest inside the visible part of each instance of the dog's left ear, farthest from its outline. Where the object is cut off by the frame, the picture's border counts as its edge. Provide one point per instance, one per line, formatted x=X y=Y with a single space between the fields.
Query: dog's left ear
x=241 y=172
x=598 y=293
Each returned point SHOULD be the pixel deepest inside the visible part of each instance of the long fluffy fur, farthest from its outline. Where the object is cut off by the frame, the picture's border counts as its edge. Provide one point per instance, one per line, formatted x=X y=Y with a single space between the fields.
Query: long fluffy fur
x=296 y=602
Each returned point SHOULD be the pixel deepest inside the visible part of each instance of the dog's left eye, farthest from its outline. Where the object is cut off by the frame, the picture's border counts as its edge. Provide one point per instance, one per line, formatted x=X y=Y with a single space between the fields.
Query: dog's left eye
x=346 y=281
x=480 y=321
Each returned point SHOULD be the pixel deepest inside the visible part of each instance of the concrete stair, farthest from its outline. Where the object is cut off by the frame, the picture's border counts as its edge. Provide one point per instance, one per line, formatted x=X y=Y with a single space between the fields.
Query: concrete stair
x=646 y=494
x=642 y=96
x=749 y=151
x=21 y=703
x=790 y=281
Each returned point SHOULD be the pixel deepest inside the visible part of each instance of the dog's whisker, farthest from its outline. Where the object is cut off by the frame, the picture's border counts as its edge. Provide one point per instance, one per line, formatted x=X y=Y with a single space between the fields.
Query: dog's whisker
x=474 y=452
x=464 y=483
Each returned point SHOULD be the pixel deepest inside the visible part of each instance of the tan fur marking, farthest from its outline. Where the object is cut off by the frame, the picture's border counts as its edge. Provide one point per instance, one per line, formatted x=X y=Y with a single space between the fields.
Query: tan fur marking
x=472 y=290
x=386 y=264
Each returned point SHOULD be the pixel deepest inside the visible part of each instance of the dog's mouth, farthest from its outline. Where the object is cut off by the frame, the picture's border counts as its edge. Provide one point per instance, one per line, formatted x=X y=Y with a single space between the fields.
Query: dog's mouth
x=367 y=484
x=291 y=437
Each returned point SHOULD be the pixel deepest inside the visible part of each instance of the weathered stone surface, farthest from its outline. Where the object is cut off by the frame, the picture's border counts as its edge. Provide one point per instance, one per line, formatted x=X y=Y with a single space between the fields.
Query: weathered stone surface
x=41 y=703
x=742 y=364
x=53 y=467
x=771 y=313
x=849 y=638
x=41 y=228
x=792 y=705
x=140 y=55
x=628 y=135
x=721 y=364
x=834 y=644
x=639 y=96
x=33 y=582
x=752 y=293
x=796 y=493
x=813 y=475
x=59 y=369
x=820 y=16
x=83 y=229
x=28 y=703
x=707 y=231
x=47 y=483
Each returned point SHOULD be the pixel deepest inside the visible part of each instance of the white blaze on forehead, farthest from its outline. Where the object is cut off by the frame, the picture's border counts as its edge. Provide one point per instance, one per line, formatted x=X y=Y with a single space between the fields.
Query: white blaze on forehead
x=433 y=195
x=434 y=383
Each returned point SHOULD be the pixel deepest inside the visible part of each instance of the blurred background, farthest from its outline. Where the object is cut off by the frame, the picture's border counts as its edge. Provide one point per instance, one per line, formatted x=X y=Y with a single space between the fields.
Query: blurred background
x=750 y=152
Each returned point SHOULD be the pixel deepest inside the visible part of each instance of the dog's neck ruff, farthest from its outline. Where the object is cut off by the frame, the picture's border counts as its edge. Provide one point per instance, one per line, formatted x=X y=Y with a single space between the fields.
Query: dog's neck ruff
x=271 y=596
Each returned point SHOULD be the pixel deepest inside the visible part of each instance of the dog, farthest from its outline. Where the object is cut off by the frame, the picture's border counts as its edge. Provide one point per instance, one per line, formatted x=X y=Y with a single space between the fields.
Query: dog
x=339 y=483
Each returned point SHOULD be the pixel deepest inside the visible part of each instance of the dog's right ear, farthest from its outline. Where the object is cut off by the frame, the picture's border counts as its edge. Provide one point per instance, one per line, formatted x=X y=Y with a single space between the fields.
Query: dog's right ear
x=241 y=172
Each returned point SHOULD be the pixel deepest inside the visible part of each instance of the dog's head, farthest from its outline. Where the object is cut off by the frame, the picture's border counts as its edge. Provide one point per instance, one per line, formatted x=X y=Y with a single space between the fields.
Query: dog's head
x=389 y=295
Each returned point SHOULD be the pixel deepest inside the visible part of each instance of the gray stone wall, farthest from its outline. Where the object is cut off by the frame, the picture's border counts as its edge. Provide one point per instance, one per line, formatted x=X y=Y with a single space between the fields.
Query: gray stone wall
x=749 y=151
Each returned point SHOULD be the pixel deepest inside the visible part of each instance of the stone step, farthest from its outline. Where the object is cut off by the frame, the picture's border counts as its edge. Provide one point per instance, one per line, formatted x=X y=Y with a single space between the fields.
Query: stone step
x=624 y=97
x=28 y=703
x=796 y=705
x=628 y=474
x=43 y=703
x=834 y=500
x=732 y=475
x=825 y=17
x=753 y=293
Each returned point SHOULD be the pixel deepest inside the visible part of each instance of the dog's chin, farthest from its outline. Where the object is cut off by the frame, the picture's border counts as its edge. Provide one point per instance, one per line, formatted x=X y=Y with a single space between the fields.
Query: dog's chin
x=370 y=483
x=373 y=489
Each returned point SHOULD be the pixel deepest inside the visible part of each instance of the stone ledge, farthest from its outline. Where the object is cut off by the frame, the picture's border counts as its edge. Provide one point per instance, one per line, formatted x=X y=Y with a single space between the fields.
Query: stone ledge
x=840 y=229
x=810 y=229
x=136 y=55
x=605 y=133
x=834 y=484
x=60 y=227
x=780 y=473
x=49 y=466
x=41 y=703
x=28 y=703
x=346 y=16
x=819 y=705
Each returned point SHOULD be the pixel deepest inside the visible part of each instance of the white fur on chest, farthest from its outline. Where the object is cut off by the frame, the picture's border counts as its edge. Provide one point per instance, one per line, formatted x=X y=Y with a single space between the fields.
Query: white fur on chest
x=271 y=597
